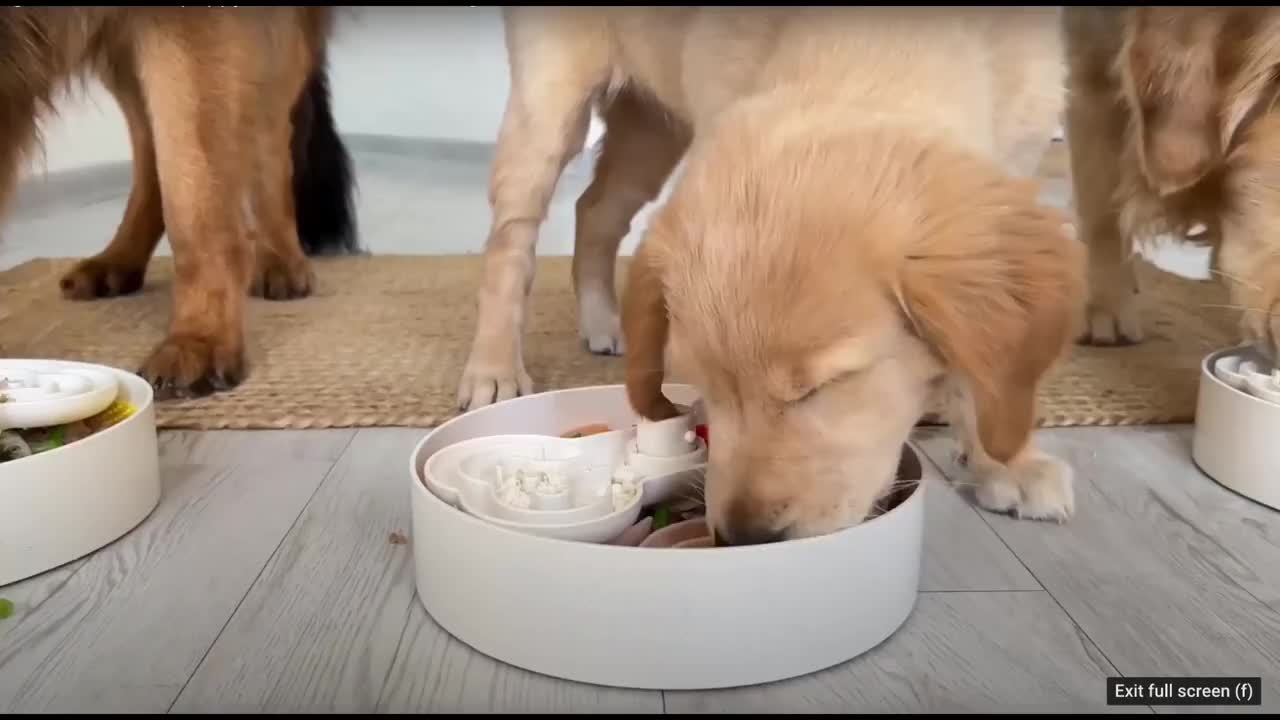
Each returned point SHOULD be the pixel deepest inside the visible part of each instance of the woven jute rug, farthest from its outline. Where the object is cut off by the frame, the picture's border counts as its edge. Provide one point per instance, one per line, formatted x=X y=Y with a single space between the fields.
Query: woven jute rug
x=384 y=340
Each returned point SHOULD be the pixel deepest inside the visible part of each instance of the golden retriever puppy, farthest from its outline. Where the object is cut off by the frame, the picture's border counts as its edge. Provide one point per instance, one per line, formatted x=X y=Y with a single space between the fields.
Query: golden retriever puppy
x=849 y=234
x=1171 y=122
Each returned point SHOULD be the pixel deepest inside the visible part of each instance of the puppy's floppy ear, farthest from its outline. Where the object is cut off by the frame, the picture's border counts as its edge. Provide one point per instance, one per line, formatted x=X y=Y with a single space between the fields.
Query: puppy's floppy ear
x=995 y=285
x=1189 y=79
x=645 y=325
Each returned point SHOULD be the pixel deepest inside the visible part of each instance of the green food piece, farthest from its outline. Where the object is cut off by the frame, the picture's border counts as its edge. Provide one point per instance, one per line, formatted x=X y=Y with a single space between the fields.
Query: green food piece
x=661 y=518
x=6 y=609
x=46 y=439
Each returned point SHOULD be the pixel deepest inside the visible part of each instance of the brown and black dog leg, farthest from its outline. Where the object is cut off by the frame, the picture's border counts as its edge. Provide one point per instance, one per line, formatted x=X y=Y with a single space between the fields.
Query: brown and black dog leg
x=201 y=73
x=282 y=271
x=121 y=268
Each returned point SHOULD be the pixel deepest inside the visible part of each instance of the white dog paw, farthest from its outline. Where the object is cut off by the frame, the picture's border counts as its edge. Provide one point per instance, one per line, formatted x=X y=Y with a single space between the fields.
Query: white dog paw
x=998 y=493
x=1036 y=488
x=601 y=329
x=484 y=384
x=1118 y=325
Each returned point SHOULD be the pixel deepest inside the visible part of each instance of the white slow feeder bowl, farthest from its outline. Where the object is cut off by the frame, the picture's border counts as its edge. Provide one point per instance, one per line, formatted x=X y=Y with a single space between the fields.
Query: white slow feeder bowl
x=60 y=505
x=1237 y=435
x=655 y=618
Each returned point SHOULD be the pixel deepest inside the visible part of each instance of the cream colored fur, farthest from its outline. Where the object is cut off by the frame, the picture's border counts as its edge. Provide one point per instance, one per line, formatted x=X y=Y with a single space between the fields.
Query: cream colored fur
x=849 y=233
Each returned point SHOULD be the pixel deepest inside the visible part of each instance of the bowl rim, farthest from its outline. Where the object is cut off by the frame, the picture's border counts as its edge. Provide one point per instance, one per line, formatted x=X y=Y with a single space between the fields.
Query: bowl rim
x=419 y=489
x=101 y=436
x=1206 y=372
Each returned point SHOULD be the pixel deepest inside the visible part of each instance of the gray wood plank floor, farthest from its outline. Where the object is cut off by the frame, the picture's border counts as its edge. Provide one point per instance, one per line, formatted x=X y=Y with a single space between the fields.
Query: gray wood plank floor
x=1169 y=573
x=269 y=582
x=124 y=629
x=267 y=579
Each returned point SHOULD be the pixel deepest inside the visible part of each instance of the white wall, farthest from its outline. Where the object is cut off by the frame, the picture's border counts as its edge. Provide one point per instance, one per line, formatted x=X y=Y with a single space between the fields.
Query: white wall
x=437 y=72
x=434 y=72
x=88 y=130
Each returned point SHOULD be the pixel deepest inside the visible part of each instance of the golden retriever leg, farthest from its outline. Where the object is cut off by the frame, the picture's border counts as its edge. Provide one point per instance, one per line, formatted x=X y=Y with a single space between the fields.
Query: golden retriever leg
x=1002 y=252
x=641 y=147
x=1028 y=86
x=1012 y=474
x=1095 y=130
x=121 y=268
x=202 y=110
x=555 y=73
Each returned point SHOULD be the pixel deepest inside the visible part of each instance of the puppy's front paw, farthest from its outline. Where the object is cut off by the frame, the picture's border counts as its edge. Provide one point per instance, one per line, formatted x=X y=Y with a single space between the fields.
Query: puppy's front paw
x=1036 y=488
x=998 y=492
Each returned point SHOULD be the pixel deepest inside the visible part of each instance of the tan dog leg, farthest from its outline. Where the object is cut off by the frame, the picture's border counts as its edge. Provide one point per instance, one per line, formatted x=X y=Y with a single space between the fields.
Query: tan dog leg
x=121 y=268
x=1095 y=130
x=1029 y=86
x=1021 y=266
x=1012 y=474
x=641 y=146
x=554 y=77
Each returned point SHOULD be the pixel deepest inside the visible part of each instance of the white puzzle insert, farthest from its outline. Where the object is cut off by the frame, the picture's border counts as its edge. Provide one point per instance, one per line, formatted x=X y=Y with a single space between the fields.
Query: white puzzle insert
x=589 y=489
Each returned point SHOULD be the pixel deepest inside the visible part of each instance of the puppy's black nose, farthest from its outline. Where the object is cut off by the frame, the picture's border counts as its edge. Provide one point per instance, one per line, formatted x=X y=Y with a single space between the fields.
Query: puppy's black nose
x=746 y=534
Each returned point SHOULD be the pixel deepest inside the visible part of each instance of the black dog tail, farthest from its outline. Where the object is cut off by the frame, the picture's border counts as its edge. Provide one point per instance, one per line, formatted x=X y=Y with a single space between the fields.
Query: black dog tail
x=323 y=181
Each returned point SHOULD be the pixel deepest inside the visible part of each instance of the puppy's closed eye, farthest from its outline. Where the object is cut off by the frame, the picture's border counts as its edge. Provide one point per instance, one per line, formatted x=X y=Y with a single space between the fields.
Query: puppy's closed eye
x=814 y=372
x=808 y=392
x=805 y=395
